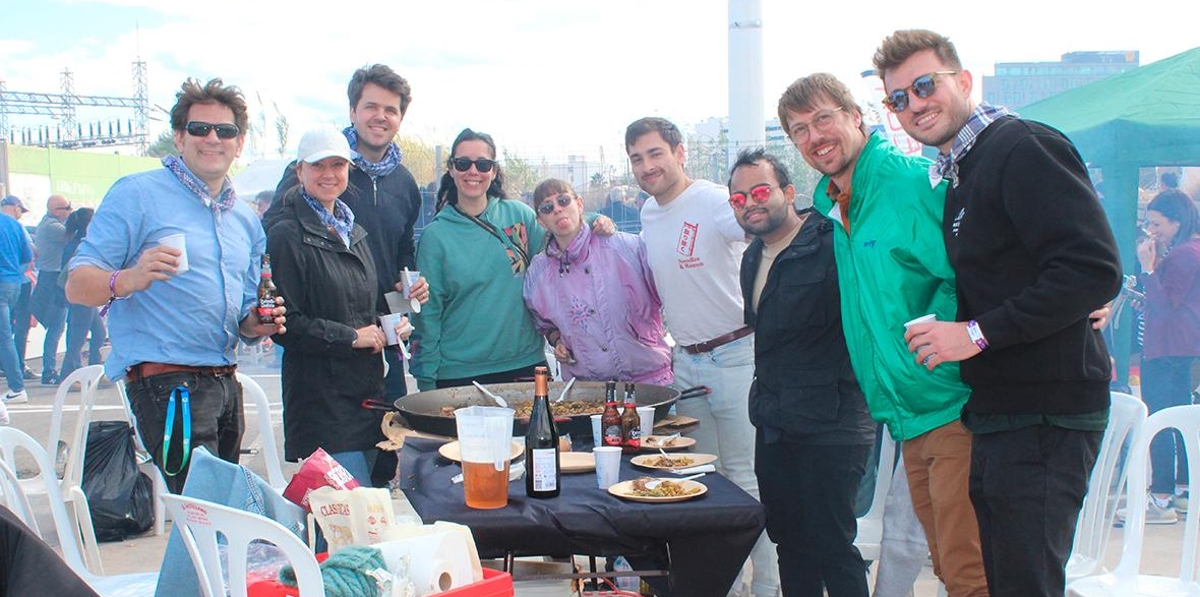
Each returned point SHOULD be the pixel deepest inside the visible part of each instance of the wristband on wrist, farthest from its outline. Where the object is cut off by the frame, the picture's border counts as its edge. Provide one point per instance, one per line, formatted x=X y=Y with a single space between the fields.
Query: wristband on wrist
x=976 y=334
x=112 y=293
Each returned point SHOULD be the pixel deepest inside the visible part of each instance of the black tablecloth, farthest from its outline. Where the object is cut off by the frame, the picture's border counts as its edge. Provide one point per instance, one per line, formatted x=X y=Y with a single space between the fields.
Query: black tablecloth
x=707 y=538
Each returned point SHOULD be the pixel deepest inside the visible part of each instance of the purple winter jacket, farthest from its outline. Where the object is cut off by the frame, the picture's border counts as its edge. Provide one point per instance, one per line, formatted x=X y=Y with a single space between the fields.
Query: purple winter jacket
x=600 y=295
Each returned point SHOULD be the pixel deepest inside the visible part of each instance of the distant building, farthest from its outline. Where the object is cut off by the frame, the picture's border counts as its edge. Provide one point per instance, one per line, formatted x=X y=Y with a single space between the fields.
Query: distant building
x=1018 y=84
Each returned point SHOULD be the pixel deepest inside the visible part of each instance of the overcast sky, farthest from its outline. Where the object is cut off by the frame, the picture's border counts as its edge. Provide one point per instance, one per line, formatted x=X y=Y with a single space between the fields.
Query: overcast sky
x=544 y=77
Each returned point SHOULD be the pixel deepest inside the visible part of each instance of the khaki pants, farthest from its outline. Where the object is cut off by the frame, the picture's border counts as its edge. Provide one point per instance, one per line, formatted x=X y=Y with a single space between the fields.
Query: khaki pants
x=939 y=465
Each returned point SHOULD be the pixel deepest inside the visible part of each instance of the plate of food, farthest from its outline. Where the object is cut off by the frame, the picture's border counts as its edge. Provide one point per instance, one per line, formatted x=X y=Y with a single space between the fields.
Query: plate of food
x=651 y=490
x=576 y=462
x=453 y=451
x=658 y=461
x=666 y=442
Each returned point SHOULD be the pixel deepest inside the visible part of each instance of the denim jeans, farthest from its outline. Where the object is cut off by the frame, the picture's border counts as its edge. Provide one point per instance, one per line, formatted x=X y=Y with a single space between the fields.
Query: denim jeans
x=82 y=322
x=725 y=428
x=13 y=369
x=217 y=420
x=20 y=321
x=51 y=302
x=1167 y=382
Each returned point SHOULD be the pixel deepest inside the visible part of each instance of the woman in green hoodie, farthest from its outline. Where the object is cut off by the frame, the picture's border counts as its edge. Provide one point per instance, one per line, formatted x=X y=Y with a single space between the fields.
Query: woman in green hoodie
x=474 y=255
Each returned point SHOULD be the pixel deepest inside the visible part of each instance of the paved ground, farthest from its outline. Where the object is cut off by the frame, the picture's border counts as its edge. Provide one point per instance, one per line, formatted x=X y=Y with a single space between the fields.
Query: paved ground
x=144 y=553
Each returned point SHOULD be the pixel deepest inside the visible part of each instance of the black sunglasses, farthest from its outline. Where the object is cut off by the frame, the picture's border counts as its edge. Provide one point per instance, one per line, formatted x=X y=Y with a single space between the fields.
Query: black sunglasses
x=547 y=207
x=923 y=87
x=481 y=164
x=196 y=128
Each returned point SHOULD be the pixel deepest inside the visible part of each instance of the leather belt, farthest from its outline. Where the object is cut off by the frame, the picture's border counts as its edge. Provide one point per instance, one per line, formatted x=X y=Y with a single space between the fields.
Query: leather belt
x=721 y=340
x=143 y=370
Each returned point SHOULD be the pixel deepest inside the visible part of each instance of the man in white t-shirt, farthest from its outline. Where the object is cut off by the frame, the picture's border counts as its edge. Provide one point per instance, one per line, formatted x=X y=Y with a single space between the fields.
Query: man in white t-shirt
x=694 y=245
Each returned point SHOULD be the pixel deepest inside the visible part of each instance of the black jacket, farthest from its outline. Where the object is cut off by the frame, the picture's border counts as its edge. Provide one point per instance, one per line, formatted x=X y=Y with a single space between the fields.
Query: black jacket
x=1034 y=255
x=804 y=387
x=329 y=292
x=387 y=207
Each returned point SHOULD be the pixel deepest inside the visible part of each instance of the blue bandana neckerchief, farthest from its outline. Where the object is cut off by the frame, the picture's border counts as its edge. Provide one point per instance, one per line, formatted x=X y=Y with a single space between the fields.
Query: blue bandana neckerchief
x=391 y=157
x=946 y=165
x=224 y=201
x=340 y=221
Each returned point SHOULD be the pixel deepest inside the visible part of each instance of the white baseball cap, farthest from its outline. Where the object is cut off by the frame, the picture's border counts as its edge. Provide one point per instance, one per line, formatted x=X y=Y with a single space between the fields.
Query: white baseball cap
x=319 y=144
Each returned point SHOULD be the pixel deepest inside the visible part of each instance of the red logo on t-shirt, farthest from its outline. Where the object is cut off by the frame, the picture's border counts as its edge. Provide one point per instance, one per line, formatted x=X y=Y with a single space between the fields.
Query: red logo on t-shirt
x=687 y=239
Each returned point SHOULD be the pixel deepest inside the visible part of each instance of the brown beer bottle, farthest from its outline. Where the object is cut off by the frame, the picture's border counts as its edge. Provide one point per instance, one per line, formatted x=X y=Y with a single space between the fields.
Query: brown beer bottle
x=541 y=442
x=266 y=292
x=631 y=423
x=610 y=421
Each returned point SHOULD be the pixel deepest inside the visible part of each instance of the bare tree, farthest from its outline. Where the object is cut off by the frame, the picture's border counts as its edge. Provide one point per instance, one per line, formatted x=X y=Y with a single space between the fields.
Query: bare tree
x=281 y=129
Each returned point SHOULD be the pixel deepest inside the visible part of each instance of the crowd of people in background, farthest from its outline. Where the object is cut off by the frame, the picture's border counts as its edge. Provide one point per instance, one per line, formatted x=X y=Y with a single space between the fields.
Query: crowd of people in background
x=949 y=301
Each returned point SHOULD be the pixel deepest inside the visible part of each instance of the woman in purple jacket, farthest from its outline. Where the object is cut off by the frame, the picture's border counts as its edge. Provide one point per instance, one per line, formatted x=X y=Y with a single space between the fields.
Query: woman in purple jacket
x=1170 y=260
x=593 y=297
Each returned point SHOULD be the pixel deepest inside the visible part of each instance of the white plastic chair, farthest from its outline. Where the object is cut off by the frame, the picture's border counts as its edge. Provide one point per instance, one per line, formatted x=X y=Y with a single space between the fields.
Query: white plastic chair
x=1096 y=516
x=116 y=585
x=71 y=485
x=870 y=525
x=1126 y=579
x=199 y=522
x=254 y=393
x=13 y=497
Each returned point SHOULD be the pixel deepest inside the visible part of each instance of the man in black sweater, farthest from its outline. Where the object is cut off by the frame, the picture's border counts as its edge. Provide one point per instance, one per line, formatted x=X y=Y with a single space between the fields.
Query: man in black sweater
x=1034 y=254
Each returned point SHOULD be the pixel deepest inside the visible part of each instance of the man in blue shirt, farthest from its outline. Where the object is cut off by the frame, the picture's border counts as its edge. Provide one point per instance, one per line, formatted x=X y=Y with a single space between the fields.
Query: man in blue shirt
x=15 y=255
x=174 y=338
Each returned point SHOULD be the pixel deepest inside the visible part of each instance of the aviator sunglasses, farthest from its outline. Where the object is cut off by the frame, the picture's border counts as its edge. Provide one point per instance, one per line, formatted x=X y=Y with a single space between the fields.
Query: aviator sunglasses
x=547 y=207
x=759 y=193
x=196 y=128
x=481 y=164
x=923 y=87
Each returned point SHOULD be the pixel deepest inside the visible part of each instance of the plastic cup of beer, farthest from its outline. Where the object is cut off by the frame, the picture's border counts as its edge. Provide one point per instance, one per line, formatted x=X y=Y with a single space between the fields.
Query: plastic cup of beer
x=646 y=416
x=177 y=241
x=597 y=438
x=608 y=465
x=485 y=439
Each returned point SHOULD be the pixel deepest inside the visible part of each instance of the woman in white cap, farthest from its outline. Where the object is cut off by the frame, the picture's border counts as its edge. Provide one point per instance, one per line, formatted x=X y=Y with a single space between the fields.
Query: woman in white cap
x=322 y=267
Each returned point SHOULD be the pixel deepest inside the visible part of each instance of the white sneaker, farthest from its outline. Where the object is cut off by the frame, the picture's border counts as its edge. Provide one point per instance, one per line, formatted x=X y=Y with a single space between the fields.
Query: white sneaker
x=16 y=397
x=3 y=414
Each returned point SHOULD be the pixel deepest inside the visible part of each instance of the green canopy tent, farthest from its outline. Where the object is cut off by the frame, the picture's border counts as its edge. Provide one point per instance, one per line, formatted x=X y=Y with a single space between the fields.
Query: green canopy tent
x=1146 y=117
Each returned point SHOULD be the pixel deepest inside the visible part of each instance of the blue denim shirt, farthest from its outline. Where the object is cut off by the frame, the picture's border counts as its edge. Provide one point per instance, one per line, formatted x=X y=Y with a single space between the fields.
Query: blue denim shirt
x=191 y=319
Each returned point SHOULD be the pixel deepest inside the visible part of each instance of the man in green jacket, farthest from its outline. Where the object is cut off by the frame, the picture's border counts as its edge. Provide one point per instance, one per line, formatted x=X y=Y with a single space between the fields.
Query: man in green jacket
x=893 y=268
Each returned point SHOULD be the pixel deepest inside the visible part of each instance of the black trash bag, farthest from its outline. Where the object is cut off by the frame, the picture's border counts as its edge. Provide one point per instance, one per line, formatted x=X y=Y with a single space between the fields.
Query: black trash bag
x=120 y=498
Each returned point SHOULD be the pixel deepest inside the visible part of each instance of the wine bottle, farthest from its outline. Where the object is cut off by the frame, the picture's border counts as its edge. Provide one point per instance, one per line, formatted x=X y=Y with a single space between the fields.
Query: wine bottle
x=542 y=476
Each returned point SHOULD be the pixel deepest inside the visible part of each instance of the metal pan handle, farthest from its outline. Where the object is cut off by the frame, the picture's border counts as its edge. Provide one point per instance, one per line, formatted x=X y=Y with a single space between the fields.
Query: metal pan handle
x=371 y=404
x=694 y=392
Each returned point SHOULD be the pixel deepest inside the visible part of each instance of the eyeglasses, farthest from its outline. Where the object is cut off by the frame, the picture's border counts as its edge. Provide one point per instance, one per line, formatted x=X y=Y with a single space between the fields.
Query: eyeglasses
x=481 y=164
x=196 y=128
x=759 y=193
x=547 y=207
x=923 y=87
x=821 y=122
x=65 y=207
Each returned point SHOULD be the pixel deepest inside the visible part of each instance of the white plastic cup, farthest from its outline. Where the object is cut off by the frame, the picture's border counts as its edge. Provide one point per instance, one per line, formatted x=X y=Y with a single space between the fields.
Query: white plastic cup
x=407 y=279
x=920 y=320
x=646 y=415
x=388 y=323
x=608 y=465
x=597 y=438
x=177 y=241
